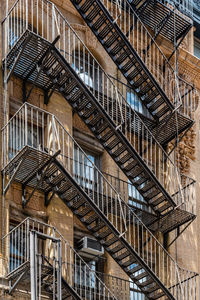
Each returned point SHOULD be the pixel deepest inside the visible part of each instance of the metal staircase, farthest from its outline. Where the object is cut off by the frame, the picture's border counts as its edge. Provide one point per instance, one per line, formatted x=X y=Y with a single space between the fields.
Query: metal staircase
x=50 y=163
x=33 y=57
x=130 y=45
x=41 y=261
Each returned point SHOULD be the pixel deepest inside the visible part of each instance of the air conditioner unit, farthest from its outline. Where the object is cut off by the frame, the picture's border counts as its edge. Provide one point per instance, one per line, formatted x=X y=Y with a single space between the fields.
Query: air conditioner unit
x=90 y=247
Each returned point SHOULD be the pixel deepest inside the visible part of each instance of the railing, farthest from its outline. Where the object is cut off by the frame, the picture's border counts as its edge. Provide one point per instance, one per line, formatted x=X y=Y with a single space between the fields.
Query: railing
x=129 y=193
x=43 y=18
x=18 y=252
x=34 y=128
x=131 y=97
x=185 y=6
x=123 y=289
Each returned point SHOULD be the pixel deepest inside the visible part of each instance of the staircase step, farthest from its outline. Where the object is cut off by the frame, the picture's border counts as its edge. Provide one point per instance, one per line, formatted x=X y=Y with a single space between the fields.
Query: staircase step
x=110 y=242
x=111 y=40
x=134 y=269
x=127 y=262
x=141 y=180
x=157 y=201
x=92 y=14
x=123 y=56
x=146 y=90
x=94 y=120
x=83 y=212
x=156 y=104
x=129 y=166
x=146 y=187
x=103 y=234
x=81 y=104
x=162 y=112
x=116 y=51
x=119 y=151
x=166 y=206
x=146 y=283
x=97 y=227
x=107 y=136
x=73 y=204
x=127 y=66
x=105 y=31
x=123 y=159
x=86 y=6
x=134 y=73
x=116 y=249
x=141 y=276
x=90 y=219
x=155 y=296
x=100 y=128
x=153 y=194
x=150 y=96
x=152 y=289
x=121 y=256
x=140 y=81
x=112 y=144
x=135 y=172
x=98 y=23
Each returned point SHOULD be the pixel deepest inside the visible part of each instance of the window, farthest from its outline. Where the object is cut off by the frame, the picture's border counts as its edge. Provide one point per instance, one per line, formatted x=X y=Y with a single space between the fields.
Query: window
x=16 y=28
x=17 y=138
x=17 y=248
x=135 y=293
x=19 y=244
x=197 y=47
x=83 y=275
x=84 y=169
x=87 y=69
x=136 y=103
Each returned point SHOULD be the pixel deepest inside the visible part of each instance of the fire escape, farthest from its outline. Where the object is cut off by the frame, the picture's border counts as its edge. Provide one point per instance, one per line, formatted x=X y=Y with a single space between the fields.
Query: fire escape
x=40 y=51
x=41 y=258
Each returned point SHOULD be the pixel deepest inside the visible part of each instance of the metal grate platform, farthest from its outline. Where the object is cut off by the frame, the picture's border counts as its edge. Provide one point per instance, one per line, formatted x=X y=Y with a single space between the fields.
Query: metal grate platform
x=162 y=18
